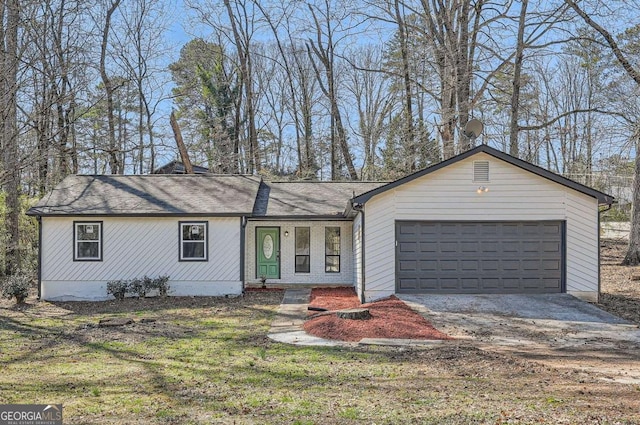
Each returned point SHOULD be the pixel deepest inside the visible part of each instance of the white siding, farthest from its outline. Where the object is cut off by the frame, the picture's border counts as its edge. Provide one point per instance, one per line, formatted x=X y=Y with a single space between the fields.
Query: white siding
x=287 y=253
x=134 y=247
x=357 y=253
x=450 y=194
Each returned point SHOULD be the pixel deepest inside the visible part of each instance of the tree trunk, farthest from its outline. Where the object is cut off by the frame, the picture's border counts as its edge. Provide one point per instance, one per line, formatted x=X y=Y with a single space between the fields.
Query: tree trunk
x=324 y=52
x=114 y=160
x=632 y=257
x=9 y=78
x=408 y=94
x=247 y=77
x=517 y=71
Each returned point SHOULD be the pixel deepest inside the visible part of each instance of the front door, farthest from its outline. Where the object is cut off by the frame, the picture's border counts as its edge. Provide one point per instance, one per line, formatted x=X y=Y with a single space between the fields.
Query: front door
x=268 y=252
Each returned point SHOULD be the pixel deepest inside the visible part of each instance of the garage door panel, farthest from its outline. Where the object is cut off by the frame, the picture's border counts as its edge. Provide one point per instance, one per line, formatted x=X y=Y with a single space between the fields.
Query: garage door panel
x=510 y=265
x=408 y=265
x=551 y=265
x=449 y=283
x=471 y=247
x=491 y=283
x=470 y=283
x=408 y=246
x=429 y=284
x=479 y=257
x=448 y=265
x=469 y=265
x=552 y=283
x=490 y=265
x=510 y=246
x=449 y=247
x=408 y=283
x=489 y=246
x=551 y=247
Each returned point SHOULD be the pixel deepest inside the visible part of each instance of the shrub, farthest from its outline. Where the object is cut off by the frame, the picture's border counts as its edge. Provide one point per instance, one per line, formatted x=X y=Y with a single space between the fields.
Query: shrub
x=160 y=283
x=118 y=288
x=137 y=286
x=16 y=286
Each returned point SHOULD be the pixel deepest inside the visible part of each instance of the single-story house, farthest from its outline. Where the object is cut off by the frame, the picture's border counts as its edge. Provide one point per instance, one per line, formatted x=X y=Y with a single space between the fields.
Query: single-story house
x=480 y=222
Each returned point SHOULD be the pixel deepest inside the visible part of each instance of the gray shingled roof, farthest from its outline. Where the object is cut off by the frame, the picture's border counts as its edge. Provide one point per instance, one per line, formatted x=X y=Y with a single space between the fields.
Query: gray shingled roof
x=151 y=195
x=313 y=198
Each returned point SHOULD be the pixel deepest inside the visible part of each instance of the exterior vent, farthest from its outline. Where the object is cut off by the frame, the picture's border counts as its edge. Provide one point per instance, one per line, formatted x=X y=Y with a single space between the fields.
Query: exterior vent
x=480 y=171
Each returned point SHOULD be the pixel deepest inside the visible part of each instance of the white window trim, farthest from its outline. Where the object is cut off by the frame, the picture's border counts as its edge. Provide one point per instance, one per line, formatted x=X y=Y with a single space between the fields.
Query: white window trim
x=205 y=241
x=76 y=240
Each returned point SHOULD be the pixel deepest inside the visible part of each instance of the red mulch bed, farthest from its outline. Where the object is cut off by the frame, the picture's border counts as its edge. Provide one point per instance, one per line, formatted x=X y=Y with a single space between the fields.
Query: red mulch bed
x=390 y=318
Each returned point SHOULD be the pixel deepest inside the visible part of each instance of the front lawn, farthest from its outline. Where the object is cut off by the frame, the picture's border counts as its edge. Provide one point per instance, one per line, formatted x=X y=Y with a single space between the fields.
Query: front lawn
x=207 y=360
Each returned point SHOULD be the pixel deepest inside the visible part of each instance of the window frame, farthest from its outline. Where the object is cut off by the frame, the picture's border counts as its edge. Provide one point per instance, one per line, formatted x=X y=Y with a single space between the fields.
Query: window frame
x=205 y=241
x=99 y=241
x=338 y=255
x=295 y=250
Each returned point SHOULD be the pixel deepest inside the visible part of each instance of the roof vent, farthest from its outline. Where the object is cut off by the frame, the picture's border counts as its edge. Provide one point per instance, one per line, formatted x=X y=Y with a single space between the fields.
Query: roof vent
x=480 y=171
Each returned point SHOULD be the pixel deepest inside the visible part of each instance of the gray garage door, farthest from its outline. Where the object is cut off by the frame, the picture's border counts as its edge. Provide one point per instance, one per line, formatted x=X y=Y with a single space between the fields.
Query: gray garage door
x=479 y=257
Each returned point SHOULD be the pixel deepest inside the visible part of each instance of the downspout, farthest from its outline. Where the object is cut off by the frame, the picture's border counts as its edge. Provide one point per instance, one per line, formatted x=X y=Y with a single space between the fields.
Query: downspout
x=360 y=208
x=362 y=300
x=599 y=248
x=243 y=225
x=39 y=218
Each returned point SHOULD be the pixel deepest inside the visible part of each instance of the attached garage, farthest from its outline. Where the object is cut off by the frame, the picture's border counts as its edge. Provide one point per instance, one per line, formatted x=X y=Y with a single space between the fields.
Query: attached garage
x=479 y=257
x=480 y=222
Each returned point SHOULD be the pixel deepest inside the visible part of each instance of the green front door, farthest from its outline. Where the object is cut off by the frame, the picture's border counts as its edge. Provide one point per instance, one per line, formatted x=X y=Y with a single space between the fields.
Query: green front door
x=268 y=252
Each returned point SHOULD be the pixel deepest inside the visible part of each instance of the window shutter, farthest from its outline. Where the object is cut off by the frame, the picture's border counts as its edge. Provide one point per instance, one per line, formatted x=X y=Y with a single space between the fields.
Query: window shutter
x=480 y=171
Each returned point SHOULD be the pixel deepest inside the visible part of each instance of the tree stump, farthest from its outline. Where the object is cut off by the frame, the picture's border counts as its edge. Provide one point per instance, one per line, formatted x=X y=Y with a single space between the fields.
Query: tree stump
x=354 y=314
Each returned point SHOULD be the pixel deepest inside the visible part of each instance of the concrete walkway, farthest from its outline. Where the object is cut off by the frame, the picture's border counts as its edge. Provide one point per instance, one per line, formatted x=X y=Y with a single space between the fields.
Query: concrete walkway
x=287 y=326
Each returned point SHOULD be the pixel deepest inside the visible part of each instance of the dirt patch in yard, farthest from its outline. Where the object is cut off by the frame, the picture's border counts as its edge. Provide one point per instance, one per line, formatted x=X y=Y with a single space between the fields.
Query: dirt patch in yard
x=620 y=287
x=390 y=318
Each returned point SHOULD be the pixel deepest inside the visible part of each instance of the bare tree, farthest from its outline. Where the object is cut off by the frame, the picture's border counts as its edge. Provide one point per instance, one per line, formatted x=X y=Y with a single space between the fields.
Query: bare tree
x=9 y=63
x=109 y=89
x=241 y=20
x=322 y=48
x=632 y=256
x=375 y=102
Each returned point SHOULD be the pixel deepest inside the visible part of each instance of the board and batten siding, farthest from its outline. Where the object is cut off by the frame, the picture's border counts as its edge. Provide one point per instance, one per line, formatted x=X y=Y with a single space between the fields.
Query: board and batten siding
x=317 y=276
x=134 y=247
x=449 y=194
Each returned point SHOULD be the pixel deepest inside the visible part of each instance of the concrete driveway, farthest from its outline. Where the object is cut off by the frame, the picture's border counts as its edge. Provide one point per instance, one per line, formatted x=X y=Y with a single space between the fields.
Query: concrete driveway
x=556 y=329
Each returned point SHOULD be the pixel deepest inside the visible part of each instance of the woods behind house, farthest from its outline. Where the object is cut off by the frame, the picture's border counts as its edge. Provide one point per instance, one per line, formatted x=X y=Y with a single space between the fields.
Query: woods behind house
x=361 y=90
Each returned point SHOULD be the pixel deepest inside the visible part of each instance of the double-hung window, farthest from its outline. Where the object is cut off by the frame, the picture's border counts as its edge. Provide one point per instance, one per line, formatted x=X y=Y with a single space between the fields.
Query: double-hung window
x=87 y=241
x=303 y=243
x=332 y=249
x=193 y=240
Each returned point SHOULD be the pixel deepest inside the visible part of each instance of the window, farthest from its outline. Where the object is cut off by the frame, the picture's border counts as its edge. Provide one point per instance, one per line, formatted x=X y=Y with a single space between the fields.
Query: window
x=303 y=239
x=332 y=249
x=87 y=241
x=193 y=240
